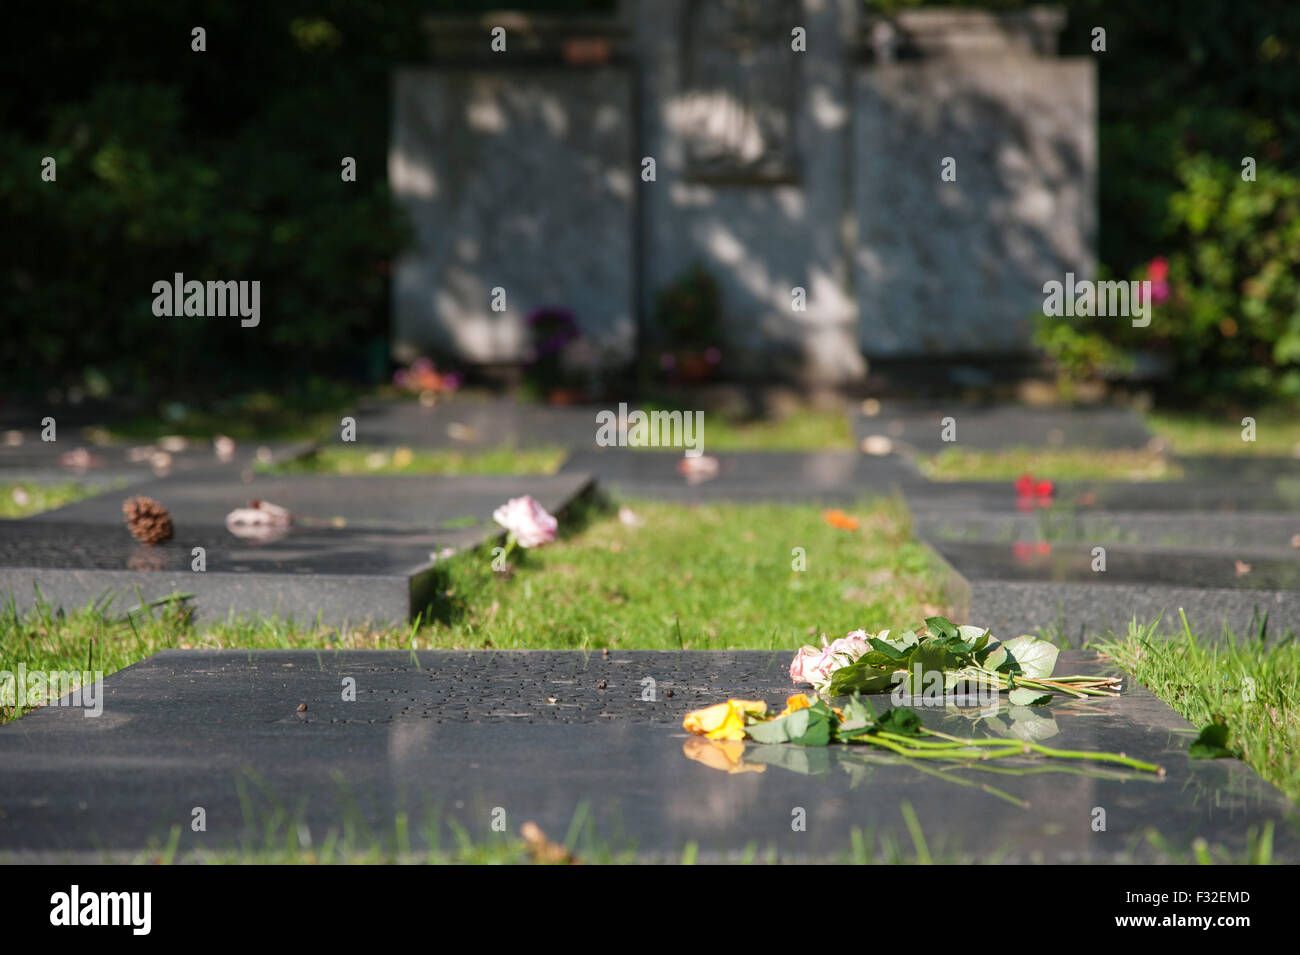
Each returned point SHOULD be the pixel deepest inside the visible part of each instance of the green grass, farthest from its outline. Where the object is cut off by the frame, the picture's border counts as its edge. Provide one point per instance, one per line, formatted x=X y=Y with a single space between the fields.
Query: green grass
x=353 y=460
x=1202 y=678
x=1276 y=433
x=23 y=500
x=275 y=837
x=954 y=464
x=805 y=429
x=706 y=578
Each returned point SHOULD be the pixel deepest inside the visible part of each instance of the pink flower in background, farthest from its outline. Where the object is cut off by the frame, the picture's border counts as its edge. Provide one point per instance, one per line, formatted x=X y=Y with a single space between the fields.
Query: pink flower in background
x=423 y=378
x=527 y=521
x=1158 y=276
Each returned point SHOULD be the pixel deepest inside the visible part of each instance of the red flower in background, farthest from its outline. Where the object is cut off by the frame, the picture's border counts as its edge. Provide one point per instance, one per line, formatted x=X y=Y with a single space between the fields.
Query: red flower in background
x=1029 y=486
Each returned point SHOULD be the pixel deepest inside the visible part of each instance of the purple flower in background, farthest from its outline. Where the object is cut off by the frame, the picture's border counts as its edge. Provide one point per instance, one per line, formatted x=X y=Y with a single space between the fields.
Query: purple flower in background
x=667 y=361
x=712 y=355
x=551 y=329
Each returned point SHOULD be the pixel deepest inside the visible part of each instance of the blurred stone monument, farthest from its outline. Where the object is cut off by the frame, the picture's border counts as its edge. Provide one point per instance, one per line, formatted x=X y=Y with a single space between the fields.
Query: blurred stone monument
x=797 y=151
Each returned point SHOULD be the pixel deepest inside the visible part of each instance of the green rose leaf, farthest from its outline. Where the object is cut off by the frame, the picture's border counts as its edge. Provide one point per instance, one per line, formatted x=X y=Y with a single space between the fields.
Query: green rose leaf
x=900 y=720
x=887 y=650
x=1023 y=696
x=1037 y=658
x=772 y=731
x=940 y=626
x=993 y=657
x=928 y=656
x=815 y=727
x=860 y=677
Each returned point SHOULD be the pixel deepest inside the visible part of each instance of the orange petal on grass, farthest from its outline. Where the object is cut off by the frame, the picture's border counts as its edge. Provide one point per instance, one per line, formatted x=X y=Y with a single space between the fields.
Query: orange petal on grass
x=837 y=518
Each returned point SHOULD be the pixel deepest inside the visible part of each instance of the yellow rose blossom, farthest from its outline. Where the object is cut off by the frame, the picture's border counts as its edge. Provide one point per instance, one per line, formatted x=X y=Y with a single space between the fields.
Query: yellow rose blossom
x=797 y=702
x=723 y=720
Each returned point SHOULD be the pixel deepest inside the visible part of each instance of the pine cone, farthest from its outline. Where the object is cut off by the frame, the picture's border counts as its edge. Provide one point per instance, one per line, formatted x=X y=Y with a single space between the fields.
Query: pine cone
x=147 y=520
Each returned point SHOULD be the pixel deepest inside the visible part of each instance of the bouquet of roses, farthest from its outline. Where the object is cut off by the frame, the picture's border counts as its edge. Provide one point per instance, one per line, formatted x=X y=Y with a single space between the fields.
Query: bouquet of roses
x=941 y=656
x=806 y=722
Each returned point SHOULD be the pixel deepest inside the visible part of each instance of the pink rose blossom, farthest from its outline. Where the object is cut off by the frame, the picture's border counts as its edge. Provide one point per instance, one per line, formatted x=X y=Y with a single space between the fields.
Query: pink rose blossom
x=527 y=520
x=815 y=665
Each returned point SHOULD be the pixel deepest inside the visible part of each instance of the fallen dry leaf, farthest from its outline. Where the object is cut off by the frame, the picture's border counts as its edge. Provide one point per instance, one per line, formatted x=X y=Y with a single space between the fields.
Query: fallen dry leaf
x=544 y=851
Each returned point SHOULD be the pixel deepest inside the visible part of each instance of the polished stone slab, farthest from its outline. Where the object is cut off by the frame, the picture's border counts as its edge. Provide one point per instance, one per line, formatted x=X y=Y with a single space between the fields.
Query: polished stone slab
x=920 y=426
x=550 y=736
x=360 y=550
x=1079 y=612
x=1203 y=497
x=467 y=422
x=396 y=502
x=827 y=476
x=1174 y=566
x=1240 y=468
x=133 y=462
x=1242 y=531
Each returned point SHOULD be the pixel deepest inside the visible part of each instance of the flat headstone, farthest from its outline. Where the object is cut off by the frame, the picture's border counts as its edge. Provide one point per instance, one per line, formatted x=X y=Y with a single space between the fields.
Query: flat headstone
x=830 y=476
x=997 y=427
x=398 y=502
x=360 y=549
x=1171 y=566
x=451 y=736
x=127 y=464
x=1199 y=496
x=1269 y=531
x=1240 y=468
x=1078 y=612
x=474 y=423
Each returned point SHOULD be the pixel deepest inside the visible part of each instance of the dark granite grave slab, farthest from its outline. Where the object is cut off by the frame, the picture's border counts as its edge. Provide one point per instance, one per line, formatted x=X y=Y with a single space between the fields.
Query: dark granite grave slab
x=1078 y=612
x=1267 y=531
x=378 y=566
x=399 y=502
x=1241 y=468
x=1067 y=562
x=829 y=476
x=469 y=422
x=1204 y=497
x=547 y=736
x=996 y=427
x=36 y=460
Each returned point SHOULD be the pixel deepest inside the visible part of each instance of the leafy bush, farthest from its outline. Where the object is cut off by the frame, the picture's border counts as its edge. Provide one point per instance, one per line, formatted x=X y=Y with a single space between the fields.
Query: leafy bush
x=1226 y=302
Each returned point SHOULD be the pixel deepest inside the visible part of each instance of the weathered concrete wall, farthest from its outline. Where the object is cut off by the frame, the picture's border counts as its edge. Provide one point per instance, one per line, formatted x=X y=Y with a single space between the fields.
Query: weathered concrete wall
x=762 y=238
x=518 y=179
x=776 y=169
x=958 y=267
